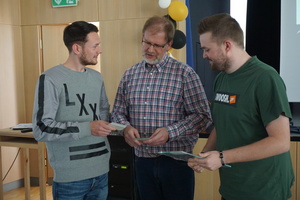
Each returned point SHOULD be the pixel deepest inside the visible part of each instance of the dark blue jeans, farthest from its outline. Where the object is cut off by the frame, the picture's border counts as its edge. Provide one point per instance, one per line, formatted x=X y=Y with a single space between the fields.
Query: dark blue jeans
x=164 y=178
x=88 y=189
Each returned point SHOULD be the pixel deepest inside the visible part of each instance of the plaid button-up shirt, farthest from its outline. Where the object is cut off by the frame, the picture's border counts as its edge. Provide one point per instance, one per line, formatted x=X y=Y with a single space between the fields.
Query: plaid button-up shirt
x=169 y=94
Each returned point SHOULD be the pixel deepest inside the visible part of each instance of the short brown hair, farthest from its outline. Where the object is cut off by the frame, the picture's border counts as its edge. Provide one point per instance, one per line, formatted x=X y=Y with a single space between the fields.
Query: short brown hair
x=160 y=24
x=77 y=33
x=222 y=26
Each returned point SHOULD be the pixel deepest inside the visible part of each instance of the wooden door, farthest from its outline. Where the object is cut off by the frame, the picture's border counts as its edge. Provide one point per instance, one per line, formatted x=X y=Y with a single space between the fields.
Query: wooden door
x=54 y=51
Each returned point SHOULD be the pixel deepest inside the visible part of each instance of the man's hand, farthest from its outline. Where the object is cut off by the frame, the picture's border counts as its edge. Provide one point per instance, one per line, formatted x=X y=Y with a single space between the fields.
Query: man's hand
x=211 y=161
x=193 y=163
x=130 y=135
x=100 y=128
x=159 y=137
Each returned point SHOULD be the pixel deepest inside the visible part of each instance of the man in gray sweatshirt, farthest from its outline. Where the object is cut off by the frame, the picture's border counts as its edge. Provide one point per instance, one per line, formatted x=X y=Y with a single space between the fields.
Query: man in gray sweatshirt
x=70 y=114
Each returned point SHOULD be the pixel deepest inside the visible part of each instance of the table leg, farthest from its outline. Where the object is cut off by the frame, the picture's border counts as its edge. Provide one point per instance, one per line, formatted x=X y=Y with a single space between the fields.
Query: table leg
x=26 y=173
x=1 y=183
x=42 y=172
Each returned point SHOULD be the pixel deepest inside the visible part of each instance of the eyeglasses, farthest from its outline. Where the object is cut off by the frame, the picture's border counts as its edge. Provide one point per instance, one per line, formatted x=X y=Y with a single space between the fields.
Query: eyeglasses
x=155 y=46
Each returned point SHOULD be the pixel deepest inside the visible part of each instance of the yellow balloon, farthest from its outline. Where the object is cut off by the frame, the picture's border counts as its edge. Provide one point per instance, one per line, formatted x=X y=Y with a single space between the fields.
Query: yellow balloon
x=170 y=53
x=178 y=10
x=172 y=56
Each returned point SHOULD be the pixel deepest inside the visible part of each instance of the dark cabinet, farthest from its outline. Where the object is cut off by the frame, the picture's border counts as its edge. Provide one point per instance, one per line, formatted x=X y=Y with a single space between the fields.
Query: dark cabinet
x=121 y=178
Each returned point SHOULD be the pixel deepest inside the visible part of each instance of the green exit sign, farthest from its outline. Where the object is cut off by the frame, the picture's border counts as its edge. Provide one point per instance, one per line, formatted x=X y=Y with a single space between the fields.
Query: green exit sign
x=64 y=3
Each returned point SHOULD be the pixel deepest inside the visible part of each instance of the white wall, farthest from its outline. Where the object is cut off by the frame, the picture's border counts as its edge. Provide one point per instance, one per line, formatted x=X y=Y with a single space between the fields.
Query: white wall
x=238 y=10
x=290 y=48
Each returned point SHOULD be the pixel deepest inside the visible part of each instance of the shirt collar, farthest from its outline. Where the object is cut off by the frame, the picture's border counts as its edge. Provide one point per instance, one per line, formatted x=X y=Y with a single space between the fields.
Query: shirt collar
x=158 y=66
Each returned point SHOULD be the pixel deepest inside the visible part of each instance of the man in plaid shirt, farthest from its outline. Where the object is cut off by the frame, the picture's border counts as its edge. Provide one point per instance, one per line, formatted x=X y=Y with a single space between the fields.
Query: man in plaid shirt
x=162 y=100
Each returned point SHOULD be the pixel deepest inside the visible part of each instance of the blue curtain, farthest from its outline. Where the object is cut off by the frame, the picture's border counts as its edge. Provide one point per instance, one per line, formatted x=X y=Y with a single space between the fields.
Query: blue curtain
x=198 y=9
x=189 y=39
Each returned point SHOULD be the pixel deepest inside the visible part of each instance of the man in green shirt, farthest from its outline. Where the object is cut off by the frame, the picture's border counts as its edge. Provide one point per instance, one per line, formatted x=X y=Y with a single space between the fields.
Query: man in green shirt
x=251 y=116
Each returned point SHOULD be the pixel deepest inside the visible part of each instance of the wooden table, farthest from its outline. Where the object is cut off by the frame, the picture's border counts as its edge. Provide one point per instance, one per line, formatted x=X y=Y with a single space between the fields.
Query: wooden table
x=25 y=141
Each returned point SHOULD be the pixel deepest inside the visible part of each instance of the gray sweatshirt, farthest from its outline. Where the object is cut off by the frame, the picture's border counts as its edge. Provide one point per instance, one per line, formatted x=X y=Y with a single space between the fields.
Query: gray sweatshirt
x=65 y=103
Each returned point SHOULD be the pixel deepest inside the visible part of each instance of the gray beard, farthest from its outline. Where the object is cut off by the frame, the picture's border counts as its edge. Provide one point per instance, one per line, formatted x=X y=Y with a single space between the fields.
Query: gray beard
x=154 y=62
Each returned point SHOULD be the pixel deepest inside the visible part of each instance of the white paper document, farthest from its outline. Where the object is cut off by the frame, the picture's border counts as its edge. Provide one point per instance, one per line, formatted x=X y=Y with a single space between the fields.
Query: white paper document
x=22 y=126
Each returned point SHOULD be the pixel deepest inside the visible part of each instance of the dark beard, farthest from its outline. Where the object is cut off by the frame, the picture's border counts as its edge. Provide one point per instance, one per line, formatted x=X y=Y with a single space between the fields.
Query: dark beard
x=220 y=66
x=85 y=62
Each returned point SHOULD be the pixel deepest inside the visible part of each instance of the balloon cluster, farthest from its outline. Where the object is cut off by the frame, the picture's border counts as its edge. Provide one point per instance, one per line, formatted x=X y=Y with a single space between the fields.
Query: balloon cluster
x=177 y=11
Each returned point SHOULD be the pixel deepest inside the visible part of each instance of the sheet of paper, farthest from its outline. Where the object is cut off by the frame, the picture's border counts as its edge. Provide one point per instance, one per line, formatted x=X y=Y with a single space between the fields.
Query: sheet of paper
x=117 y=126
x=182 y=155
x=142 y=139
x=22 y=126
x=179 y=155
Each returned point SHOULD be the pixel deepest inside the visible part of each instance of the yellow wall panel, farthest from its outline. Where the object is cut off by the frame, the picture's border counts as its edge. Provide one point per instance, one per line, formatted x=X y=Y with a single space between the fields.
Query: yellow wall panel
x=12 y=103
x=10 y=12
x=41 y=12
x=295 y=159
x=52 y=41
x=121 y=50
x=32 y=64
x=129 y=9
x=29 y=12
x=12 y=106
